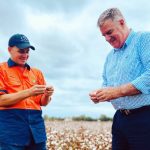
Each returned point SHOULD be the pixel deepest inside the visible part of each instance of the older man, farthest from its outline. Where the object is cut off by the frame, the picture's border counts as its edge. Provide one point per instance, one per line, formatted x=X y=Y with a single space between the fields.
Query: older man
x=22 y=93
x=126 y=82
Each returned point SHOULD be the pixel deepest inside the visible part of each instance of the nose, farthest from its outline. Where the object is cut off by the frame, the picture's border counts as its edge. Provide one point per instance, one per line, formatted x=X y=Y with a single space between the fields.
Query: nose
x=25 y=55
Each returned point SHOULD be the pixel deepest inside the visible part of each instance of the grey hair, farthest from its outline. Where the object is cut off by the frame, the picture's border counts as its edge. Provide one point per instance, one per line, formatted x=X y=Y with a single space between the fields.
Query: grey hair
x=111 y=13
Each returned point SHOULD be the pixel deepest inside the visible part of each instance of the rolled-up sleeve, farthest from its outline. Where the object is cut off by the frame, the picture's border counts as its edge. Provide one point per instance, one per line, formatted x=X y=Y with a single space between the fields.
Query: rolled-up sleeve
x=3 y=89
x=142 y=83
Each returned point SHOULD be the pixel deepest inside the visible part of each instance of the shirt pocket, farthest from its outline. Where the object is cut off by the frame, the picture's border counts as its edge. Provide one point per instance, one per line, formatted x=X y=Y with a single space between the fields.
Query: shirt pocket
x=13 y=81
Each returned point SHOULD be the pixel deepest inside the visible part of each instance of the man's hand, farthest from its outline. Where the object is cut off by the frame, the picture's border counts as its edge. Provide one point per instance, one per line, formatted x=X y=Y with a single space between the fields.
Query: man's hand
x=37 y=89
x=105 y=94
x=49 y=91
x=93 y=97
x=46 y=98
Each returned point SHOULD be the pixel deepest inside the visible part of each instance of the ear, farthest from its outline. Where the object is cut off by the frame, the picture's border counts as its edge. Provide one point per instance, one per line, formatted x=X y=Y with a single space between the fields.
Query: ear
x=9 y=49
x=122 y=22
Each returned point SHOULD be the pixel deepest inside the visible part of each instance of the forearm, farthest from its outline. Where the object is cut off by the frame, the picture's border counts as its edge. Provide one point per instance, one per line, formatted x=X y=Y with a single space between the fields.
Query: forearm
x=11 y=99
x=45 y=100
x=128 y=90
x=123 y=90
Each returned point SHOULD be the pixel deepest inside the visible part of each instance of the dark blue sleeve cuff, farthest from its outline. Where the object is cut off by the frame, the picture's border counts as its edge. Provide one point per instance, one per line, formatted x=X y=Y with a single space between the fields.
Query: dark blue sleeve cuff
x=3 y=92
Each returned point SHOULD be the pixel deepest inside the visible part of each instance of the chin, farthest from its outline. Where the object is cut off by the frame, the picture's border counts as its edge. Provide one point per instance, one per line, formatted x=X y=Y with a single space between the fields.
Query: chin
x=116 y=46
x=22 y=63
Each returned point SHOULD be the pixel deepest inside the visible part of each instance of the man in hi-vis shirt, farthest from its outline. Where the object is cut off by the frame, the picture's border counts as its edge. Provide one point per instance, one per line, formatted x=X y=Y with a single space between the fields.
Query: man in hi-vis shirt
x=22 y=93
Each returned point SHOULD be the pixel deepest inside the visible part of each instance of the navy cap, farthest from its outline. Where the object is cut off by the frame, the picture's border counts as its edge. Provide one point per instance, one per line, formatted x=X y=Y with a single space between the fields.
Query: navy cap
x=20 y=41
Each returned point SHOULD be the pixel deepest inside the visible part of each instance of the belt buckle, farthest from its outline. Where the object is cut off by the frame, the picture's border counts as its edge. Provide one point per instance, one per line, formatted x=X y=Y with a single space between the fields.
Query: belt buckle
x=125 y=111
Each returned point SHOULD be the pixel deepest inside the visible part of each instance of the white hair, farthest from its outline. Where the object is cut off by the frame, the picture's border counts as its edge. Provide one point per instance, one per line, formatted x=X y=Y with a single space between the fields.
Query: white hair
x=111 y=13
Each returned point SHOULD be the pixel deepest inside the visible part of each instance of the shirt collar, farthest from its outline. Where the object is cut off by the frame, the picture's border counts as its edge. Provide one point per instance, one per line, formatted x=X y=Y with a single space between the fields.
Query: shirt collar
x=130 y=37
x=127 y=42
x=11 y=63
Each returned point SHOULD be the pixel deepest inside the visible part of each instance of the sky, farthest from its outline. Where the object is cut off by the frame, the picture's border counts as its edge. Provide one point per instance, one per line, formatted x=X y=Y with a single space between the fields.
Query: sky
x=70 y=50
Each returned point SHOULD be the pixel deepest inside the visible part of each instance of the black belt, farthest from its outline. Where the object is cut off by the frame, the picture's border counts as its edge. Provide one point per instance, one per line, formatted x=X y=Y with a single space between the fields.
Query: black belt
x=136 y=110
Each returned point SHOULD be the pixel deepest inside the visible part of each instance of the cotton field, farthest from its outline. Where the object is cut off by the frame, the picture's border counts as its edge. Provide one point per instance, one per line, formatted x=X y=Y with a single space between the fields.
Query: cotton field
x=71 y=135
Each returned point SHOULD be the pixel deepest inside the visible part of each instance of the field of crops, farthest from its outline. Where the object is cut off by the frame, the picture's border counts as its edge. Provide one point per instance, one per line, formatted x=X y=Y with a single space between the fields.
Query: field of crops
x=71 y=135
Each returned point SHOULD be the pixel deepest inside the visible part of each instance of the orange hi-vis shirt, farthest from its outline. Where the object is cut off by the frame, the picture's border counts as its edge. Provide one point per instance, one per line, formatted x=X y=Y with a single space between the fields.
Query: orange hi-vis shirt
x=13 y=79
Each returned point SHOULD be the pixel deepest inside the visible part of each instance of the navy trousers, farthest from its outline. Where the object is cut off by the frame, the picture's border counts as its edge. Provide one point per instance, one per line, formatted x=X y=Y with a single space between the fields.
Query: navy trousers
x=131 y=132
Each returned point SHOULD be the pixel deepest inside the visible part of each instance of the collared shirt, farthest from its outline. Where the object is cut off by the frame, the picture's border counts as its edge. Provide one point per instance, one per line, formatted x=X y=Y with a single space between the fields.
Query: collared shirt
x=22 y=121
x=130 y=64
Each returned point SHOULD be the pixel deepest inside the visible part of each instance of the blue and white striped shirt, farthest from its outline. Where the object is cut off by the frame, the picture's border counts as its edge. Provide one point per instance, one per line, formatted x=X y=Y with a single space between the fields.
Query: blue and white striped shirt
x=130 y=64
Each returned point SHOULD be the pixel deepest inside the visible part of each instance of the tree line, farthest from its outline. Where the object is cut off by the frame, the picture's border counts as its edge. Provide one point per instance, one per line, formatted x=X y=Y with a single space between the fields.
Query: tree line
x=103 y=117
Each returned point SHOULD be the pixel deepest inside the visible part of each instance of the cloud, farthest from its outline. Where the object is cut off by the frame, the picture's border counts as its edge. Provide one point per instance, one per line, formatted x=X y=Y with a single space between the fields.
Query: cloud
x=70 y=50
